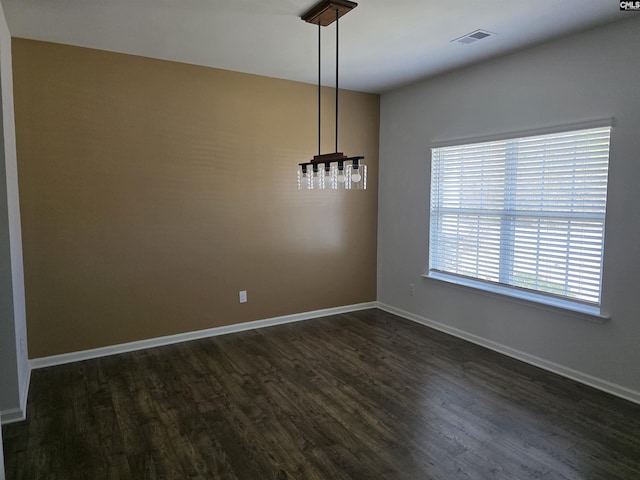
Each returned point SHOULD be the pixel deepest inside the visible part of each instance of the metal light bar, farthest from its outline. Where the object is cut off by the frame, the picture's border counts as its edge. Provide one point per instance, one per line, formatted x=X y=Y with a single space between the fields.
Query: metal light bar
x=329 y=158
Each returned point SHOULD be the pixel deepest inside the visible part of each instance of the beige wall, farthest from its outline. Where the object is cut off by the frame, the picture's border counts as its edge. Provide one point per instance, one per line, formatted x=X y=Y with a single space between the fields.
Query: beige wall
x=151 y=192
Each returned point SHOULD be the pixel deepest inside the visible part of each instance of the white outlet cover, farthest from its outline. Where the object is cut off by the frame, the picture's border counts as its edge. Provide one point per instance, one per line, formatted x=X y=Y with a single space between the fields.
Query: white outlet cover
x=243 y=296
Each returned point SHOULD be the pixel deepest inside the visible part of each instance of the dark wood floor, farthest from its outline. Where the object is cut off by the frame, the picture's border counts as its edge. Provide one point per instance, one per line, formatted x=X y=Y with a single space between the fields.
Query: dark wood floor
x=354 y=396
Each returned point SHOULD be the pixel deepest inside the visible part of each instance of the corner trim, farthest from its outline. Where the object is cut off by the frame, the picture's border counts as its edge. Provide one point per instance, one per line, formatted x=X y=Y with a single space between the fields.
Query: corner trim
x=25 y=393
x=61 y=359
x=597 y=383
x=13 y=415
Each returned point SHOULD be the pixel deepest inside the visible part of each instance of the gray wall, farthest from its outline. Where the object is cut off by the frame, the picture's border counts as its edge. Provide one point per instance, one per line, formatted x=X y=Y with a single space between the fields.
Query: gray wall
x=592 y=75
x=14 y=365
x=1 y=459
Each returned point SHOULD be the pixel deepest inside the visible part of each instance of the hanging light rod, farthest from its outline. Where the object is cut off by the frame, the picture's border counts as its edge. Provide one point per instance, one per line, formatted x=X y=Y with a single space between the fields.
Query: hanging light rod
x=353 y=176
x=324 y=13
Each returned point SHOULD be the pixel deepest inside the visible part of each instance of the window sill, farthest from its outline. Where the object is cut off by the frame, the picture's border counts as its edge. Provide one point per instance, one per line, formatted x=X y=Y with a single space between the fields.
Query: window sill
x=587 y=312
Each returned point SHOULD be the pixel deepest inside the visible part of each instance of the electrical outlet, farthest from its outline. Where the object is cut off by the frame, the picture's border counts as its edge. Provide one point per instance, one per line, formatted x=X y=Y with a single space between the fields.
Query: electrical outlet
x=243 y=296
x=412 y=289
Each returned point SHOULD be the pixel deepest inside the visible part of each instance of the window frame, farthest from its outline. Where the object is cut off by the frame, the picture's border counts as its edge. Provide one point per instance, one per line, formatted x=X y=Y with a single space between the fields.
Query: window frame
x=590 y=310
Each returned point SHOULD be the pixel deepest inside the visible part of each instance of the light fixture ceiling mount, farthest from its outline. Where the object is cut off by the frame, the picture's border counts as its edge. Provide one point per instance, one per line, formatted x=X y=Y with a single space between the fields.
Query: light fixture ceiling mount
x=324 y=13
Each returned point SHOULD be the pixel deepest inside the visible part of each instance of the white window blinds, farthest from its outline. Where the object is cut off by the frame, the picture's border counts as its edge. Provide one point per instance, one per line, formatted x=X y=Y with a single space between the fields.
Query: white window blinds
x=524 y=212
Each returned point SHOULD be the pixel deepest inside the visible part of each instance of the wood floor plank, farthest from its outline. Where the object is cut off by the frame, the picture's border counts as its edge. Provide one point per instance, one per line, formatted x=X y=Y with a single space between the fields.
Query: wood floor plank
x=364 y=395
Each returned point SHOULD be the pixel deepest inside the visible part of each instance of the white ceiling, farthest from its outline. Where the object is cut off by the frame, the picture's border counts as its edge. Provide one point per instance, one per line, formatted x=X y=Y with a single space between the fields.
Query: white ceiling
x=383 y=43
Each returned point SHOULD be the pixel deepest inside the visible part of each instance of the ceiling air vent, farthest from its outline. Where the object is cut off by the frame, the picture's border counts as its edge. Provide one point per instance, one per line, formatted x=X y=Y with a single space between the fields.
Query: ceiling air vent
x=473 y=37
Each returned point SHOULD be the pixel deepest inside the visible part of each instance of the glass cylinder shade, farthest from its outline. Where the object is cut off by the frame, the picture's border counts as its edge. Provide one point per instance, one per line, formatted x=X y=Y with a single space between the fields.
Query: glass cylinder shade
x=356 y=176
x=318 y=178
x=305 y=179
x=330 y=178
x=339 y=176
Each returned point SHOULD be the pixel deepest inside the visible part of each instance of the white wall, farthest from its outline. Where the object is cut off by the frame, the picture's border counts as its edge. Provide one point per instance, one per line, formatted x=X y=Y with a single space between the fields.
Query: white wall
x=588 y=76
x=14 y=365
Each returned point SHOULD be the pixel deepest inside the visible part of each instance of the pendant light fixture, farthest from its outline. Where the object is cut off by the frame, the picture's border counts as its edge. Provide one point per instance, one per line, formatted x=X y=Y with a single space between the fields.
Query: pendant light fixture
x=330 y=171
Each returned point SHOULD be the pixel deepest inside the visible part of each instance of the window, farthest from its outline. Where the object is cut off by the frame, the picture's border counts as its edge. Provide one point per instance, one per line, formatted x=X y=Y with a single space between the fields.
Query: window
x=527 y=213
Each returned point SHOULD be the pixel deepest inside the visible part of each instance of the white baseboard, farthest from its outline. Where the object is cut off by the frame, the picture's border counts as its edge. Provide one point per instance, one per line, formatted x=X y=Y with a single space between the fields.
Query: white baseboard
x=600 y=384
x=19 y=414
x=50 y=361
